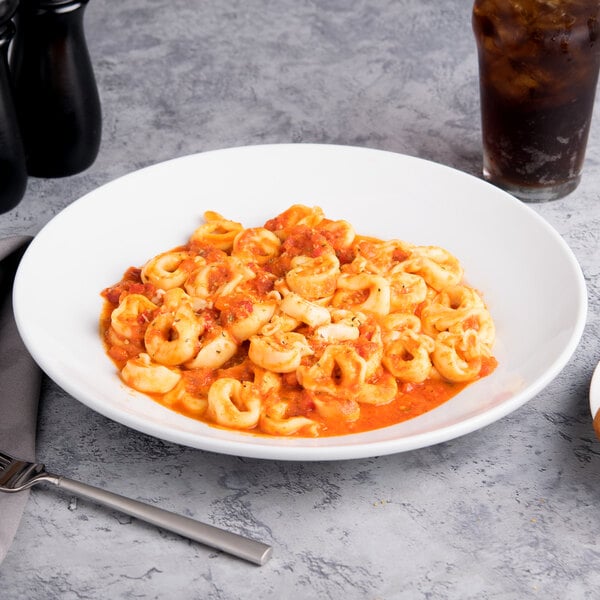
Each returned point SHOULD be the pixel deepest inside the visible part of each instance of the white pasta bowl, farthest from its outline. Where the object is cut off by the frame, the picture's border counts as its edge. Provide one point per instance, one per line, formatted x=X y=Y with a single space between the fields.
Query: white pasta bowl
x=518 y=261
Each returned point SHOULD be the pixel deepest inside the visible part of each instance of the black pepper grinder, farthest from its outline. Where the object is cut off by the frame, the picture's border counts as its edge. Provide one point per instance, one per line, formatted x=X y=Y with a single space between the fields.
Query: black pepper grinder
x=56 y=95
x=13 y=174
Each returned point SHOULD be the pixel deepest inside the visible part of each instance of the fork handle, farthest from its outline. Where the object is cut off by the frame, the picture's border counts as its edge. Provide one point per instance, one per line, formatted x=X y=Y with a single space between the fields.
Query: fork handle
x=248 y=549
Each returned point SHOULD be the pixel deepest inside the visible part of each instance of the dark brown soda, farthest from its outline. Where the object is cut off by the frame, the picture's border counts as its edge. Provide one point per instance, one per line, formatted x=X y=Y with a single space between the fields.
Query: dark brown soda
x=538 y=76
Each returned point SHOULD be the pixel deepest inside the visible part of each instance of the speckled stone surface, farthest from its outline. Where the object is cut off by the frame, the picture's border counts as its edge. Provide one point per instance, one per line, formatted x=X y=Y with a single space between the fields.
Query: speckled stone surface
x=510 y=511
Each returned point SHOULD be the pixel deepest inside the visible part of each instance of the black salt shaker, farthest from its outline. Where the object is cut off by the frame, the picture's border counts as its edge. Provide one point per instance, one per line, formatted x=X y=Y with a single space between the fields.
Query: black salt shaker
x=56 y=95
x=13 y=174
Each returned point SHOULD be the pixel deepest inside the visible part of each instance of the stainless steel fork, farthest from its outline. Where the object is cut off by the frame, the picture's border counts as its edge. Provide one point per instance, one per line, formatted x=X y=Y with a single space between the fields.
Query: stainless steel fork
x=17 y=475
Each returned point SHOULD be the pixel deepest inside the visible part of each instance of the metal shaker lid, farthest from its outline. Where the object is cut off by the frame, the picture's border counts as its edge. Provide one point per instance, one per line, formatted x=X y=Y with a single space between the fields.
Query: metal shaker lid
x=7 y=9
x=53 y=3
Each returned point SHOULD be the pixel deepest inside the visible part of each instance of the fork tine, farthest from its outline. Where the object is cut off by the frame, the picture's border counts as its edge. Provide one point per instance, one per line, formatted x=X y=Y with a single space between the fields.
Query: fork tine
x=5 y=459
x=11 y=473
x=16 y=475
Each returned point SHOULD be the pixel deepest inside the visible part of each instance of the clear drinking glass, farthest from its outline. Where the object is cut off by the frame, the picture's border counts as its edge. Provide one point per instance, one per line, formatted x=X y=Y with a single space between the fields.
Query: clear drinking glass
x=538 y=70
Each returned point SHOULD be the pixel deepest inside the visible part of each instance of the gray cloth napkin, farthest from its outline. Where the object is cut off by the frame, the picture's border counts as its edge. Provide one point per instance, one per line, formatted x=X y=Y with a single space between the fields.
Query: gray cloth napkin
x=20 y=380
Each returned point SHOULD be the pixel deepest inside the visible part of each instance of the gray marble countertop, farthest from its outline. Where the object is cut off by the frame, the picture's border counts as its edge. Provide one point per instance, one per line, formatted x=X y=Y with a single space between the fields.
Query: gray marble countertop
x=510 y=511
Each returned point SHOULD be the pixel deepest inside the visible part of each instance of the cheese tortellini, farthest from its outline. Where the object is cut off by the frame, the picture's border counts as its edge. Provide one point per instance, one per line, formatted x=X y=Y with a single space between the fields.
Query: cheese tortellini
x=300 y=326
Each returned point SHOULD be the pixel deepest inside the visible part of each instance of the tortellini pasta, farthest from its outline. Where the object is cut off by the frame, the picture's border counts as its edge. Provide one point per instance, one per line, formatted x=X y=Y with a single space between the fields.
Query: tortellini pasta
x=301 y=326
